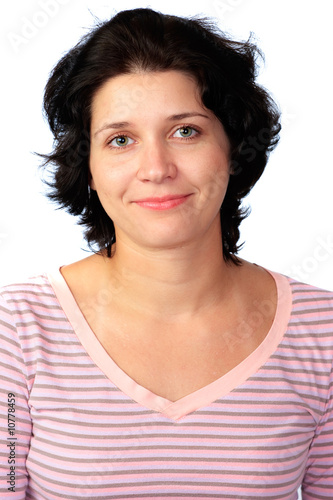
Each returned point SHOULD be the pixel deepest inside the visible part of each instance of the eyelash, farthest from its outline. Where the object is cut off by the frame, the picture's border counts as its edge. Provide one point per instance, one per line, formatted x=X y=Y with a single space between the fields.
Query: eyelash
x=197 y=132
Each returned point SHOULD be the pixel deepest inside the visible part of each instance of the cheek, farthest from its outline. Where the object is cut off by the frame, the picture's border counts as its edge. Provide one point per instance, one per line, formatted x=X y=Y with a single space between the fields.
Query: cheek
x=216 y=182
x=94 y=163
x=101 y=173
x=111 y=182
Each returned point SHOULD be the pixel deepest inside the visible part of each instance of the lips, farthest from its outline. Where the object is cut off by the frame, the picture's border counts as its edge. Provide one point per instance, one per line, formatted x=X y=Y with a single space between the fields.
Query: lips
x=164 y=202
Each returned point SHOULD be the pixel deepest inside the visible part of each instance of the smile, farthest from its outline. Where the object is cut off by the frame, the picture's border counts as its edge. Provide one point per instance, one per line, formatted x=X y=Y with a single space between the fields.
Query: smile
x=163 y=203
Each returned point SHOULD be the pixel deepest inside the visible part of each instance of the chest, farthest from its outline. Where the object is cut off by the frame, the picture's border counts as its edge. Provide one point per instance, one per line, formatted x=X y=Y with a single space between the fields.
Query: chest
x=173 y=362
x=175 y=356
x=107 y=443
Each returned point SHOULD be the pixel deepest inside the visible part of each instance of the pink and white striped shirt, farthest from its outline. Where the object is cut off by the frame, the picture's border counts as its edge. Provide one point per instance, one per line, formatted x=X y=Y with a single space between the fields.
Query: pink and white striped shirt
x=75 y=426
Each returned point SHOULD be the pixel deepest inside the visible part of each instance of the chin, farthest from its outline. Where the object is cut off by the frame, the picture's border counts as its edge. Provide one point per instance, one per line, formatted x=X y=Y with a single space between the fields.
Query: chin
x=155 y=240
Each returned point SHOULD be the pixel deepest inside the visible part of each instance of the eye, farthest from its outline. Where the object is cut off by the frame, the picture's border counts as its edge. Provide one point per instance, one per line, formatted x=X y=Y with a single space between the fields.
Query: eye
x=121 y=141
x=185 y=132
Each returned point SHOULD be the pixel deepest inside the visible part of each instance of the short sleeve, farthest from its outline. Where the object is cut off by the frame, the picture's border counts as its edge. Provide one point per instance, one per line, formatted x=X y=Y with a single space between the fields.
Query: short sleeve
x=15 y=422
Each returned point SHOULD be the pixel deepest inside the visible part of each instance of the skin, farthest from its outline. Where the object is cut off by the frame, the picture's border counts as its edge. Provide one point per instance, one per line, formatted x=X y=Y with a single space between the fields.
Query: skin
x=158 y=161
x=166 y=307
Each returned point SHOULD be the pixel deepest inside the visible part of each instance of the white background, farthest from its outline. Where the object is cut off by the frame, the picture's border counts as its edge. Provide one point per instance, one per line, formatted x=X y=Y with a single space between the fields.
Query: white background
x=290 y=228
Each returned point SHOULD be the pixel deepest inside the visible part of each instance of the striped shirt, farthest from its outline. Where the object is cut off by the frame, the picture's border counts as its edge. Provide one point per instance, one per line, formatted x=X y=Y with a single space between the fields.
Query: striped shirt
x=75 y=426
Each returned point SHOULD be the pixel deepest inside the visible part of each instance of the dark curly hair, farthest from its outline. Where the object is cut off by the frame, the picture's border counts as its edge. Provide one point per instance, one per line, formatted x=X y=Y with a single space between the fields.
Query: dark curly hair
x=142 y=39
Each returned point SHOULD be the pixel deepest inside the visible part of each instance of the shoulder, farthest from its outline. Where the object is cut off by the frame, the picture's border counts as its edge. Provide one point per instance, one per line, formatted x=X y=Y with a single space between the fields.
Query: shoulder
x=307 y=301
x=32 y=321
x=25 y=303
x=309 y=298
x=34 y=290
x=310 y=329
x=302 y=295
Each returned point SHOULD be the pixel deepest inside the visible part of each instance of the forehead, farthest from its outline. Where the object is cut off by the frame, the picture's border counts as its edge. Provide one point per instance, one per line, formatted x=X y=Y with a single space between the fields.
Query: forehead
x=136 y=92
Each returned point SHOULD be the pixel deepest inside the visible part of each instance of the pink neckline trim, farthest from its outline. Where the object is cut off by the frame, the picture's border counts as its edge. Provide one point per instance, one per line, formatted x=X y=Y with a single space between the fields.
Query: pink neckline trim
x=198 y=399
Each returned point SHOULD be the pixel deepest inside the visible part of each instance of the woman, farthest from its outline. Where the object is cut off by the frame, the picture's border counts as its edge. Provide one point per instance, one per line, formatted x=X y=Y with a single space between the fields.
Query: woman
x=163 y=365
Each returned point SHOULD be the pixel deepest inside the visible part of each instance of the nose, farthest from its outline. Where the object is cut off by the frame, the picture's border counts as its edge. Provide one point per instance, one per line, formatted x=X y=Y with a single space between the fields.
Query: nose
x=156 y=163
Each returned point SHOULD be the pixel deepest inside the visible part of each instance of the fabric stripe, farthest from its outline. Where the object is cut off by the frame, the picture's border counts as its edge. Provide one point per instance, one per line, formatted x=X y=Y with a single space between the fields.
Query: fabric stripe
x=260 y=432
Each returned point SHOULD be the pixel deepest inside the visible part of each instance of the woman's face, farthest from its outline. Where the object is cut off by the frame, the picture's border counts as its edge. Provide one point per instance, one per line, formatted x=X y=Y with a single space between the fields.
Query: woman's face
x=159 y=159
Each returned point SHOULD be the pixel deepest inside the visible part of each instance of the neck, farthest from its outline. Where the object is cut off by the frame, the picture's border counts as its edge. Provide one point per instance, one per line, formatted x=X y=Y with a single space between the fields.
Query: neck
x=172 y=283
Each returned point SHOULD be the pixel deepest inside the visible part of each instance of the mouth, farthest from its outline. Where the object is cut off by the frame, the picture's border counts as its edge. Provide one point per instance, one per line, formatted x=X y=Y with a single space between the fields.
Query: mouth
x=164 y=202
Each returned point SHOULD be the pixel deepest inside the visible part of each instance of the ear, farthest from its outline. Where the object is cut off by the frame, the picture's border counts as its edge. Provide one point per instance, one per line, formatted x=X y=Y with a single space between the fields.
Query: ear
x=91 y=182
x=234 y=167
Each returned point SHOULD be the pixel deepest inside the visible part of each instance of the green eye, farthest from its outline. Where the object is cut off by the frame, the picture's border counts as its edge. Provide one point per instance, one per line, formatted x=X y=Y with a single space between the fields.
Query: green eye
x=186 y=131
x=121 y=140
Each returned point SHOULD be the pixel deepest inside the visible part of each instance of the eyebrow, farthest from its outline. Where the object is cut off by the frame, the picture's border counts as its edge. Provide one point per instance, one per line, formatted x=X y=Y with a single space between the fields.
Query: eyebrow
x=185 y=115
x=118 y=125
x=112 y=125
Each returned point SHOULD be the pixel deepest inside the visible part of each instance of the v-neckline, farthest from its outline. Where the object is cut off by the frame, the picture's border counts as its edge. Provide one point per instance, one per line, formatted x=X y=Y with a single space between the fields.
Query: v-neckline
x=200 y=398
